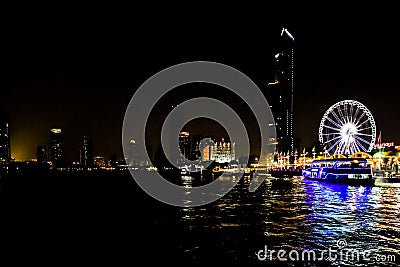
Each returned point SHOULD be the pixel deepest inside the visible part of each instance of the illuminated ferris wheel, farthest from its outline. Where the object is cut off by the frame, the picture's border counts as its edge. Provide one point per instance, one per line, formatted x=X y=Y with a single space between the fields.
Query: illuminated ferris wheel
x=347 y=127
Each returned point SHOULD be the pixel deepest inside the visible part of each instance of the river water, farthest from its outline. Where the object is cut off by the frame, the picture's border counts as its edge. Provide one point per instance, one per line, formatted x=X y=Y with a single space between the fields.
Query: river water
x=360 y=225
x=110 y=220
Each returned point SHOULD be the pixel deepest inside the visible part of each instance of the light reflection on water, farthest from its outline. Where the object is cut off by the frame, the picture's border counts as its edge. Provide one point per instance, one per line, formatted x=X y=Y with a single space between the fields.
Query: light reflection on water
x=299 y=215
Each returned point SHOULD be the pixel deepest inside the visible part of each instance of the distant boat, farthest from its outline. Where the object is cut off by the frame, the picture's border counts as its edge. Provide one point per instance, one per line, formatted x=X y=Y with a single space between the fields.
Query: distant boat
x=340 y=171
x=231 y=170
x=285 y=173
x=191 y=170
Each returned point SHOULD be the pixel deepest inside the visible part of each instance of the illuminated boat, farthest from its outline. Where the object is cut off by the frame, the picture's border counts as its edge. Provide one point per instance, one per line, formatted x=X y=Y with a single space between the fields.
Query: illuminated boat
x=191 y=170
x=340 y=171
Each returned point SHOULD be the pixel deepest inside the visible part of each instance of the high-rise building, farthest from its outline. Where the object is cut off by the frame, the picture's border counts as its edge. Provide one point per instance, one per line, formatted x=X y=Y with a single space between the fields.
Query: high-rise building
x=201 y=148
x=132 y=156
x=280 y=93
x=86 y=153
x=55 y=146
x=5 y=150
x=184 y=144
x=206 y=155
x=41 y=154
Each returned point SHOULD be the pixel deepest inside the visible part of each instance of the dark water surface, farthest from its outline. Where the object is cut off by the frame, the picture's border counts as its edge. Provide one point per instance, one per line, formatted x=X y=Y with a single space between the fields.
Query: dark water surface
x=108 y=219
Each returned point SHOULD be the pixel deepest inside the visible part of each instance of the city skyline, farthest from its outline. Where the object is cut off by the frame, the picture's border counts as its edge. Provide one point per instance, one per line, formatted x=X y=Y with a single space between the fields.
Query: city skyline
x=70 y=75
x=89 y=95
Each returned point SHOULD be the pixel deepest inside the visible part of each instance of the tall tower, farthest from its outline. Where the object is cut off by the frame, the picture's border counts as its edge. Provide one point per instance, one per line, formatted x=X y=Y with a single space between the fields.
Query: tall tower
x=55 y=146
x=280 y=93
x=5 y=151
x=132 y=157
x=86 y=153
x=184 y=144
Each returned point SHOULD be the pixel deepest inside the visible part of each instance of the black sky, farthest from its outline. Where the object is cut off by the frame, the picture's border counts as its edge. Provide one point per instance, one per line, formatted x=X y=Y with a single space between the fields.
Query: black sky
x=81 y=76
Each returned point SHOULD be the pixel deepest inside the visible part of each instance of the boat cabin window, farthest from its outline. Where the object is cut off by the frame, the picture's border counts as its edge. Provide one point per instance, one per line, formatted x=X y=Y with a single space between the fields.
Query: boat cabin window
x=330 y=164
x=323 y=164
x=343 y=165
x=351 y=164
x=340 y=164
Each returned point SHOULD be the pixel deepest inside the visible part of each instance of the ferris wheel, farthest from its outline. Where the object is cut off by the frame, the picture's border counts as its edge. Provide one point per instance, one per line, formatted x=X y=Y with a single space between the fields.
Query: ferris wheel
x=347 y=127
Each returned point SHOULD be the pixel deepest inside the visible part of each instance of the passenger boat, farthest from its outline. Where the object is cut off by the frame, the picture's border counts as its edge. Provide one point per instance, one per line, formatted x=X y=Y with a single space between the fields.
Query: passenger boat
x=341 y=171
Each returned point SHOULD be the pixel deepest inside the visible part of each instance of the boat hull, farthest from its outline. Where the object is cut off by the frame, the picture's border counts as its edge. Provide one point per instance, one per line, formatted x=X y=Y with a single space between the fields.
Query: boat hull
x=341 y=180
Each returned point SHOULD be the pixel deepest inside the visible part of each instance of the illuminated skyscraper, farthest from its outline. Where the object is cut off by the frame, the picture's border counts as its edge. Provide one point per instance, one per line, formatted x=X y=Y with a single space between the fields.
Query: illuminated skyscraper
x=280 y=93
x=184 y=144
x=5 y=151
x=132 y=157
x=206 y=153
x=86 y=153
x=55 y=146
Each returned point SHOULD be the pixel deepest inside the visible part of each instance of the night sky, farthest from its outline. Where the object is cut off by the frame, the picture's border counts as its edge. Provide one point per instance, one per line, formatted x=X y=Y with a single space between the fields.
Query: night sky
x=80 y=76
